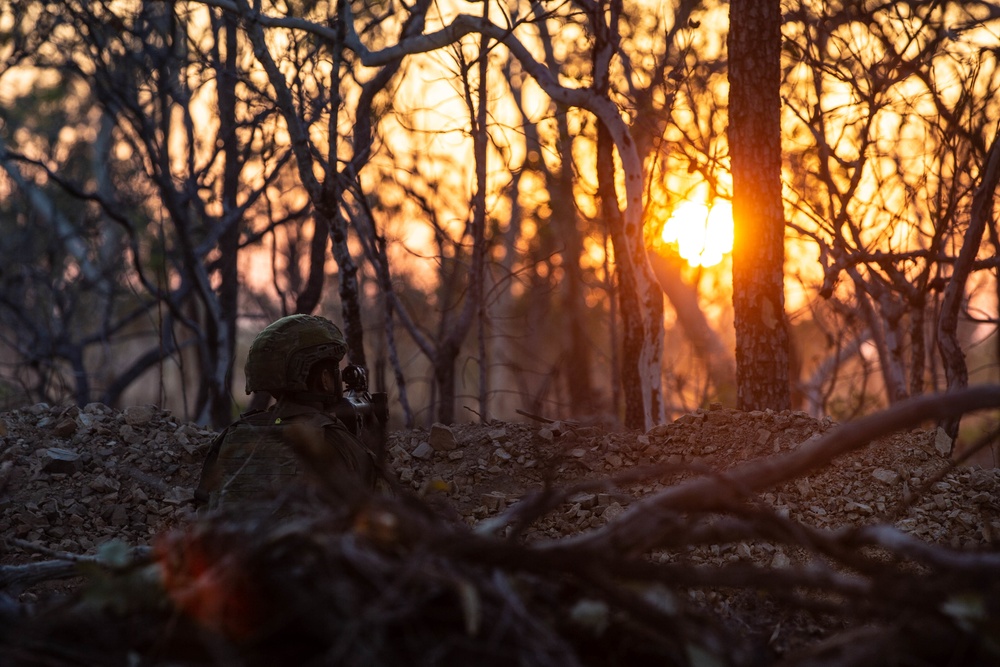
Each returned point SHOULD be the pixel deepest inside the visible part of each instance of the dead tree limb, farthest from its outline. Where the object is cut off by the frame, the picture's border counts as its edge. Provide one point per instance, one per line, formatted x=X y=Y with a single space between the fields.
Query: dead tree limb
x=642 y=527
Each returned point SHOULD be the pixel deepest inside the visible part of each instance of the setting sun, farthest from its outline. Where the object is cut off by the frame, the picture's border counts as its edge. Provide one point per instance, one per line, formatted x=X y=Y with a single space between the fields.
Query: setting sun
x=702 y=234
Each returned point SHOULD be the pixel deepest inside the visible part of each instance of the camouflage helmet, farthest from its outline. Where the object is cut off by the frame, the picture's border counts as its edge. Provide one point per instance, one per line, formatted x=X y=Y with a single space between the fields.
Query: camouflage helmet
x=283 y=352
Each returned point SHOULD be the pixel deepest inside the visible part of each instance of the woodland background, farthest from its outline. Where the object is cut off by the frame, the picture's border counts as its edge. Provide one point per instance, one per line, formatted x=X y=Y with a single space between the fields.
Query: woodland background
x=478 y=192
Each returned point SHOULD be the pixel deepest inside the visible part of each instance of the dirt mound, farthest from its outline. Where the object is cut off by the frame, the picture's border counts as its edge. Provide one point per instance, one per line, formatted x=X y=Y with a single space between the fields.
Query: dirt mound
x=72 y=480
x=484 y=469
x=75 y=478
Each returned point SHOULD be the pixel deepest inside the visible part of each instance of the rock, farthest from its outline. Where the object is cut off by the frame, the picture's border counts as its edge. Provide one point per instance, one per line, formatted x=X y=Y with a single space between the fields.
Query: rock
x=886 y=476
x=179 y=495
x=442 y=438
x=130 y=434
x=398 y=453
x=613 y=510
x=65 y=427
x=104 y=484
x=60 y=461
x=423 y=451
x=942 y=443
x=139 y=415
x=780 y=561
x=119 y=516
x=493 y=501
x=858 y=507
x=984 y=480
x=659 y=431
x=585 y=500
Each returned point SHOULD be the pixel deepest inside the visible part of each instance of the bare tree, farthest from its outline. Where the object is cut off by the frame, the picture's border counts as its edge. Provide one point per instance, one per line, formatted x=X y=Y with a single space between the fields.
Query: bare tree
x=919 y=141
x=982 y=212
x=649 y=303
x=145 y=78
x=759 y=242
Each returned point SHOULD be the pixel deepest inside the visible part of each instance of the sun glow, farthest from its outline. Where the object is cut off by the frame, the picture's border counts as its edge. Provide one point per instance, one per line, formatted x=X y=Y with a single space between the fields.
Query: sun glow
x=702 y=234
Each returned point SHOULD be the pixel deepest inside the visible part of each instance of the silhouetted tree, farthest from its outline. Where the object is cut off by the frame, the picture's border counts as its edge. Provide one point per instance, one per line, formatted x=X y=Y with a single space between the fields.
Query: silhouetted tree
x=759 y=241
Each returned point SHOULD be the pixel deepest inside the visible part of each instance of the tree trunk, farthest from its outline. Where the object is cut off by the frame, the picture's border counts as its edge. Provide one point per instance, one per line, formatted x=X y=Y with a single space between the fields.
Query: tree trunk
x=444 y=380
x=956 y=371
x=632 y=334
x=577 y=361
x=480 y=142
x=708 y=345
x=350 y=292
x=221 y=408
x=758 y=250
x=642 y=306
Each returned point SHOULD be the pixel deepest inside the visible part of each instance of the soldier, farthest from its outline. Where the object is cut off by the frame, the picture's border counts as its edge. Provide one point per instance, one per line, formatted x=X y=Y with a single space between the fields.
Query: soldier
x=265 y=454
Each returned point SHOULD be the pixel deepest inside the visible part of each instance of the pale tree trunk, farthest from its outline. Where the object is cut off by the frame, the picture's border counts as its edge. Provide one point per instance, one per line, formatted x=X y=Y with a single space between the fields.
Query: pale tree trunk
x=890 y=362
x=817 y=388
x=956 y=371
x=706 y=342
x=641 y=297
x=632 y=334
x=759 y=245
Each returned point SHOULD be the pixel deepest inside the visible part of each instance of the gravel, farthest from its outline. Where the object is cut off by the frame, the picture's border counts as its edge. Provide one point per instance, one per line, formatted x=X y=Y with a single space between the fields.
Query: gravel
x=73 y=479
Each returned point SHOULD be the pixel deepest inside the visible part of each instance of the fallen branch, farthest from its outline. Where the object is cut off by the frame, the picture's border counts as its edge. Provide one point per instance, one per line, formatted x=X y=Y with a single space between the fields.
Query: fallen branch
x=642 y=526
x=62 y=564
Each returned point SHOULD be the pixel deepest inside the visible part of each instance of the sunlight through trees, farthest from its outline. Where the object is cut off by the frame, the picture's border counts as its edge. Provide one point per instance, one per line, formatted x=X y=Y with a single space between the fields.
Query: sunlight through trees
x=508 y=206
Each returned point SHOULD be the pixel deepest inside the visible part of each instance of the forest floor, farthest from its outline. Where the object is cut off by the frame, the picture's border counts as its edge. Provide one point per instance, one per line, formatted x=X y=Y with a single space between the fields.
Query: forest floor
x=72 y=480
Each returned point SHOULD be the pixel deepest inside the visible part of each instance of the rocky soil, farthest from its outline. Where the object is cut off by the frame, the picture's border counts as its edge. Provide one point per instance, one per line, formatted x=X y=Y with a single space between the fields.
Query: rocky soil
x=73 y=479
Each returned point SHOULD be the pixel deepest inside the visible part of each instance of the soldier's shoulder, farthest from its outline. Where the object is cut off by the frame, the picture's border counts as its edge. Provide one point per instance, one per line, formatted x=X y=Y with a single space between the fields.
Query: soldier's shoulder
x=256 y=418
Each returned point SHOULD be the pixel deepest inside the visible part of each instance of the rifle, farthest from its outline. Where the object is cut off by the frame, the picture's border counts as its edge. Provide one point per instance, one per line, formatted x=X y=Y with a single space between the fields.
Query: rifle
x=365 y=414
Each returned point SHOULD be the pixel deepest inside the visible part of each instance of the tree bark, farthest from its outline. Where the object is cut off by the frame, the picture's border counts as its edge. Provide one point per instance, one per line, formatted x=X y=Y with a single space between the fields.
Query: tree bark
x=221 y=405
x=627 y=293
x=641 y=297
x=956 y=371
x=758 y=249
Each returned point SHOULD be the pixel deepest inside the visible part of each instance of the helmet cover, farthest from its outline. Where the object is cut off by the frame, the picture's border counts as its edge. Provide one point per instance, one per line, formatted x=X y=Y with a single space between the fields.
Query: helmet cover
x=283 y=352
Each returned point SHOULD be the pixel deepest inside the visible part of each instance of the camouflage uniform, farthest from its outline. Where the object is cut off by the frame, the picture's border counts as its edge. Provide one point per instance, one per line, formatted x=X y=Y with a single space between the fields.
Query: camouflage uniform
x=251 y=462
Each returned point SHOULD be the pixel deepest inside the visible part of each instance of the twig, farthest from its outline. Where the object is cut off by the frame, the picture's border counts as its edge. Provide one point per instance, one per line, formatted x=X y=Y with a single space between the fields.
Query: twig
x=544 y=420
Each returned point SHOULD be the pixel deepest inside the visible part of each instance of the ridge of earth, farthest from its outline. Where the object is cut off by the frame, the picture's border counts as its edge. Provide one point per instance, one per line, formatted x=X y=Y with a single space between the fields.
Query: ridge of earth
x=72 y=479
